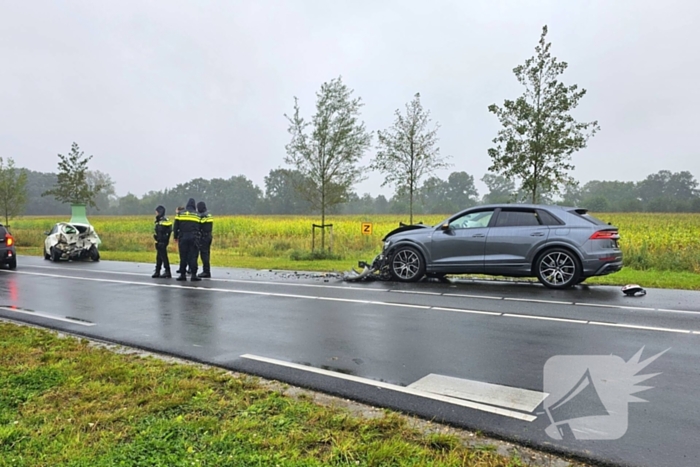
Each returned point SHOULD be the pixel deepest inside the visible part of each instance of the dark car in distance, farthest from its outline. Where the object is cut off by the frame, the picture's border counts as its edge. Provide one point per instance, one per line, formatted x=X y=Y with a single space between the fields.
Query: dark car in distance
x=8 y=254
x=561 y=246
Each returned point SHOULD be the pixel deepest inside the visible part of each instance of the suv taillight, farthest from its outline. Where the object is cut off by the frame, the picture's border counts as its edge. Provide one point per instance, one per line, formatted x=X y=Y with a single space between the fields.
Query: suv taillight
x=9 y=241
x=605 y=235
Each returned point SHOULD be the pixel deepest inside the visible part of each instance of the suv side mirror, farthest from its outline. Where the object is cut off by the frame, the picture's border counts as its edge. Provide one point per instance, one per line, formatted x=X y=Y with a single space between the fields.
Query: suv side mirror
x=445 y=227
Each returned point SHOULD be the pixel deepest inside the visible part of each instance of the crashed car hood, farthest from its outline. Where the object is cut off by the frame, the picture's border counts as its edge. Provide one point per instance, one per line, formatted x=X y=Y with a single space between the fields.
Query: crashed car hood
x=406 y=228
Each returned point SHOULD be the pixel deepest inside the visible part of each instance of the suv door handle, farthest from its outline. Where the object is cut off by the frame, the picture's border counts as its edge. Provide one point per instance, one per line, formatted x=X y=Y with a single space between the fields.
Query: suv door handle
x=537 y=234
x=478 y=235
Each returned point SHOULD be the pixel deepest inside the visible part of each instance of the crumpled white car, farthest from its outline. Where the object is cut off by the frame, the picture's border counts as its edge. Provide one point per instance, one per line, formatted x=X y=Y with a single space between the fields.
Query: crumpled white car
x=68 y=241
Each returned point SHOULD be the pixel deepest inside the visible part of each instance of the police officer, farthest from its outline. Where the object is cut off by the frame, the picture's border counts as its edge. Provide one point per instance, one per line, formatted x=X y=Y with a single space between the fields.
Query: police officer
x=186 y=232
x=179 y=210
x=206 y=226
x=163 y=229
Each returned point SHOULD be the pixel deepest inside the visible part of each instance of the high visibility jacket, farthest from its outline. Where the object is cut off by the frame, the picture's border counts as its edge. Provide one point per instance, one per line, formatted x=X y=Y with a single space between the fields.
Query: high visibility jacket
x=206 y=226
x=186 y=225
x=163 y=229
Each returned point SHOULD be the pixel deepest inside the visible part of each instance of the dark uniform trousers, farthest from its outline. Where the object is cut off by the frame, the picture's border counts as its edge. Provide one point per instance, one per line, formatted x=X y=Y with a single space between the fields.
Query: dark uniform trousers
x=189 y=252
x=205 y=252
x=162 y=257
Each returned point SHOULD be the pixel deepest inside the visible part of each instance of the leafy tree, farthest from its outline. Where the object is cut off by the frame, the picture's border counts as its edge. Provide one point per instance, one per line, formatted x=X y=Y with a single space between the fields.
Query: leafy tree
x=281 y=196
x=667 y=185
x=572 y=194
x=72 y=185
x=37 y=183
x=461 y=191
x=447 y=196
x=107 y=196
x=620 y=196
x=326 y=150
x=435 y=196
x=539 y=135
x=501 y=189
x=408 y=151
x=13 y=189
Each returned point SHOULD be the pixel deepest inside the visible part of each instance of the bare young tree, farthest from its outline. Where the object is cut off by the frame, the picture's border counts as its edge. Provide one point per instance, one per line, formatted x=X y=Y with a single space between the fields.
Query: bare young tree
x=408 y=151
x=539 y=135
x=13 y=189
x=327 y=149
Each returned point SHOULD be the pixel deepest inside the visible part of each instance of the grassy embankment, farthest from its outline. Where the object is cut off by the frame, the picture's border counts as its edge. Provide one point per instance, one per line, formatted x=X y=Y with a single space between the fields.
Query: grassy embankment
x=64 y=402
x=661 y=250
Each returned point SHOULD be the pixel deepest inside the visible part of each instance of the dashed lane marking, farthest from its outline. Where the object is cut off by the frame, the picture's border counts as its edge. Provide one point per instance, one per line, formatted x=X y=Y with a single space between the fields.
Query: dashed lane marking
x=350 y=300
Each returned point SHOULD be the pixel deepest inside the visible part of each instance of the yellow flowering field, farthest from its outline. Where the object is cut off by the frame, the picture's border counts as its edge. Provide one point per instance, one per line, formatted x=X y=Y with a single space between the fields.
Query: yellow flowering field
x=649 y=241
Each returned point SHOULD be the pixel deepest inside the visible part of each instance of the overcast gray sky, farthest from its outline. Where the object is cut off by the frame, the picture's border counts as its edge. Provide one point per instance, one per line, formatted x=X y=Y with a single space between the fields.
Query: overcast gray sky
x=164 y=91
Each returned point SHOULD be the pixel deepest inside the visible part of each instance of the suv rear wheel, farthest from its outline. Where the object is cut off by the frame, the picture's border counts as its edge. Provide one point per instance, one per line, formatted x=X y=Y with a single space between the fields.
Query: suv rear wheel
x=558 y=269
x=407 y=264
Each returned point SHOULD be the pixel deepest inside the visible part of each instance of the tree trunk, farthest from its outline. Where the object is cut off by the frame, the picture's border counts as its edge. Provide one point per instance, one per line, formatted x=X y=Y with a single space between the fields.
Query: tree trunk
x=323 y=218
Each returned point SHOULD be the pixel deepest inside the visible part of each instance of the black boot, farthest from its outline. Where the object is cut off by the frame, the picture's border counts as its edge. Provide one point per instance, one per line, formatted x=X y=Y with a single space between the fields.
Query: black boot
x=195 y=278
x=156 y=275
x=204 y=275
x=181 y=277
x=167 y=275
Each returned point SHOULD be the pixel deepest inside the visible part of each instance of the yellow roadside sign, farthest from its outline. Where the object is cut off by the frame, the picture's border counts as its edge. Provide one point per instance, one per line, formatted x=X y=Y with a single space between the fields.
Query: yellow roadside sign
x=366 y=228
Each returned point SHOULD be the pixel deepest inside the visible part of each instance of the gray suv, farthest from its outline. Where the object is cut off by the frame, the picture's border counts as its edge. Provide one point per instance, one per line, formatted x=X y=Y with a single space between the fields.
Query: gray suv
x=560 y=246
x=8 y=254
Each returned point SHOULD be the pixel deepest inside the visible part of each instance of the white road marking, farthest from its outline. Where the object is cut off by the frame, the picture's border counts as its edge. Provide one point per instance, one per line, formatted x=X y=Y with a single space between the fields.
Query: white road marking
x=346 y=300
x=646 y=328
x=533 y=300
x=404 y=305
x=44 y=315
x=493 y=394
x=369 y=289
x=678 y=311
x=546 y=318
x=396 y=388
x=459 y=310
x=414 y=292
x=619 y=307
x=487 y=297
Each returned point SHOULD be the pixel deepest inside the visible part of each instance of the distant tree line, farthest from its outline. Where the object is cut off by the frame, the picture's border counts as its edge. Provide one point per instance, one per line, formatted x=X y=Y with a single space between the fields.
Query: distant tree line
x=663 y=191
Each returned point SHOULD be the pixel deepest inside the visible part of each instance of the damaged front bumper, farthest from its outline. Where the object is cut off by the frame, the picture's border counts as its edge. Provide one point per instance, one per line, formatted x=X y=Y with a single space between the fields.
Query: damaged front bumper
x=378 y=269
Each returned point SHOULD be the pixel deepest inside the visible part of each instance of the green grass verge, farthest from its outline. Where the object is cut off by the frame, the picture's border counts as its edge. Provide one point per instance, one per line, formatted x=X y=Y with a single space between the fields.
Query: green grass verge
x=64 y=402
x=646 y=278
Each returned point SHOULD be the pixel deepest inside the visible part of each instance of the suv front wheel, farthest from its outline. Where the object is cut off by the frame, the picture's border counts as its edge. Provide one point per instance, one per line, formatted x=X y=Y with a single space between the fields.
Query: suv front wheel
x=407 y=264
x=558 y=269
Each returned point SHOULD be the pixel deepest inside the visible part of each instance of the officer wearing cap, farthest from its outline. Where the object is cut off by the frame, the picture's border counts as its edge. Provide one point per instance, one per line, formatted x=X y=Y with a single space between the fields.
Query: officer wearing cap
x=206 y=226
x=161 y=235
x=186 y=232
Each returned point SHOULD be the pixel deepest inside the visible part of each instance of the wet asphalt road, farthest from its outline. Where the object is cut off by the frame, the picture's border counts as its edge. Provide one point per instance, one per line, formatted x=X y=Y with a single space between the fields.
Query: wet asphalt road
x=495 y=332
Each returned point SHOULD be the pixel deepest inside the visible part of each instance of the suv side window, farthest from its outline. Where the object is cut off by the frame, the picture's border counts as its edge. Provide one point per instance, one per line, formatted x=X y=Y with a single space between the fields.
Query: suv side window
x=473 y=220
x=548 y=219
x=520 y=218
